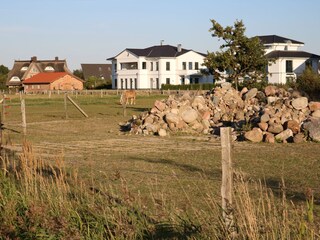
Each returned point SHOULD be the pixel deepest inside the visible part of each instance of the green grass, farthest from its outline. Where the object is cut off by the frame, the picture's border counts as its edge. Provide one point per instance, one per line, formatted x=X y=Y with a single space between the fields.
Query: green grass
x=175 y=179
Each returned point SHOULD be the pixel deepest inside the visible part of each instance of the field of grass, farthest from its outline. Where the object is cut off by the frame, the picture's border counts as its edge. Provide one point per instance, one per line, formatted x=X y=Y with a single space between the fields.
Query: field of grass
x=176 y=177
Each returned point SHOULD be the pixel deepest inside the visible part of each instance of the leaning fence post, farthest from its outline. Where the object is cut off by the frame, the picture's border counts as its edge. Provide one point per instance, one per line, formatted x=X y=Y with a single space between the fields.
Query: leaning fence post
x=227 y=176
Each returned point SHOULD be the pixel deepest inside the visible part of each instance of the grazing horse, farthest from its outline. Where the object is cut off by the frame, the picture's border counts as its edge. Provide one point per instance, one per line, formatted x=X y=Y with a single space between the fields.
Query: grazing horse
x=126 y=95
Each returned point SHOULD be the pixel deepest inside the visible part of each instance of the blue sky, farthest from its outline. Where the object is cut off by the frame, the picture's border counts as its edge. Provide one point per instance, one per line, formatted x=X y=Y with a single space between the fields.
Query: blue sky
x=90 y=31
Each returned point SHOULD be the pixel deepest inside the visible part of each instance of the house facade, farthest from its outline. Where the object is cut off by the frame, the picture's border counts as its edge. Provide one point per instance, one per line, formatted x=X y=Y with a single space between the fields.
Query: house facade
x=151 y=67
x=290 y=61
x=45 y=81
x=24 y=69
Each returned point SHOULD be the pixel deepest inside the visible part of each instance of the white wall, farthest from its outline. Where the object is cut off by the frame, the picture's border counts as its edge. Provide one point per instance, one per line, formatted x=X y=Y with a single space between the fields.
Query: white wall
x=277 y=71
x=147 y=79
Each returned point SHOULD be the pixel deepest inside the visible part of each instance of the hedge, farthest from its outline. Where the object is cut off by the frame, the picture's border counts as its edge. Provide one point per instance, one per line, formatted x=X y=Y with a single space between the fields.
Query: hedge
x=198 y=86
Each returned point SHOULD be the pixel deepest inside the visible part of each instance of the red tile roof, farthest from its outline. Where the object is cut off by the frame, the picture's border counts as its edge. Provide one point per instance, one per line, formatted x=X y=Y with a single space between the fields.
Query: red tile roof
x=45 y=77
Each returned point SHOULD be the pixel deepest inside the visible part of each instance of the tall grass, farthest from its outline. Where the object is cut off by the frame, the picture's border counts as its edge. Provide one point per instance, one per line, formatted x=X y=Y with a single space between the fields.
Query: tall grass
x=46 y=201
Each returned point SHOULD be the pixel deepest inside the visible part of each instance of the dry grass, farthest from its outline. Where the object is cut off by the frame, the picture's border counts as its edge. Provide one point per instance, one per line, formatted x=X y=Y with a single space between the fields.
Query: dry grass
x=167 y=186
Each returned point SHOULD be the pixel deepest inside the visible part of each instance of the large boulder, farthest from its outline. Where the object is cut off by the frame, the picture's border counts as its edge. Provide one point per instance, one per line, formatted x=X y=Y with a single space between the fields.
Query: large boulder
x=250 y=94
x=286 y=134
x=172 y=118
x=293 y=125
x=300 y=103
x=160 y=105
x=270 y=90
x=254 y=135
x=189 y=115
x=313 y=106
x=275 y=128
x=312 y=126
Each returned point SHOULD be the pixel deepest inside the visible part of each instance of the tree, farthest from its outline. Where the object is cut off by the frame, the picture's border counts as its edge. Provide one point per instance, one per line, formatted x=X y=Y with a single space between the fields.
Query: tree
x=78 y=73
x=309 y=82
x=239 y=56
x=3 y=76
x=97 y=83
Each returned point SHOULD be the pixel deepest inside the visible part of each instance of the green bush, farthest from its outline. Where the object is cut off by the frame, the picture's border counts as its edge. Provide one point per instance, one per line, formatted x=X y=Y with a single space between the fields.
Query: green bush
x=198 y=86
x=309 y=82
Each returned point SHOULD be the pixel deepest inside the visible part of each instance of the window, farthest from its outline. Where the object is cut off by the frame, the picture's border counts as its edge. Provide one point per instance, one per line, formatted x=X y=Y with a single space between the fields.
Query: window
x=168 y=66
x=49 y=69
x=182 y=81
x=190 y=65
x=131 y=83
x=196 y=66
x=121 y=83
x=289 y=68
x=144 y=65
x=126 y=83
x=151 y=67
x=167 y=80
x=157 y=83
x=115 y=83
x=157 y=66
x=184 y=66
x=135 y=83
x=115 y=67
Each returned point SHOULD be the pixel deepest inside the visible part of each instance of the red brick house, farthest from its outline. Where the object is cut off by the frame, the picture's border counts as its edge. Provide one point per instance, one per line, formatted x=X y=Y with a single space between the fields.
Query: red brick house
x=24 y=69
x=46 y=81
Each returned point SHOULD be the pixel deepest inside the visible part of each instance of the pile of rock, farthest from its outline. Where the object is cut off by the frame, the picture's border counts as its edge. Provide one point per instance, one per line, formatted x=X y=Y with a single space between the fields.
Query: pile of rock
x=270 y=115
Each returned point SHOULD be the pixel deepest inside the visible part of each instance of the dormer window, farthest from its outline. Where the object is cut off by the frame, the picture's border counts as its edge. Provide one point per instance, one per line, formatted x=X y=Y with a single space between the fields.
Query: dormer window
x=49 y=69
x=14 y=79
x=23 y=69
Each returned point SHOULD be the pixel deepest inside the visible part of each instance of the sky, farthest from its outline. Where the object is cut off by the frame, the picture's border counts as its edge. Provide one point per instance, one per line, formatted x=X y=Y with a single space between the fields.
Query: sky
x=90 y=31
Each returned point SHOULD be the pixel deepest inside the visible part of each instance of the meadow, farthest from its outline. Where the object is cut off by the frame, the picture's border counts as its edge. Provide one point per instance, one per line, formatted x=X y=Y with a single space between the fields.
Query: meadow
x=94 y=181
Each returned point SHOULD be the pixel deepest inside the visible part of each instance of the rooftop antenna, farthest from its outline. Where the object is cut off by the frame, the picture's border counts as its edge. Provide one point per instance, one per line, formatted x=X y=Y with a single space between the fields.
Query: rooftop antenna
x=161 y=42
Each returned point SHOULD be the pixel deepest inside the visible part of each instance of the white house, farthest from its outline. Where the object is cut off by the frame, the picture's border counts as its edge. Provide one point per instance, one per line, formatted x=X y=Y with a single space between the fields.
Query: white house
x=289 y=60
x=148 y=68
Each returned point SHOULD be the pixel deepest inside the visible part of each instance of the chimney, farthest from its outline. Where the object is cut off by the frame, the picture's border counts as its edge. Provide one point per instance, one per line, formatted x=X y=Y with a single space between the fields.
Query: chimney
x=56 y=58
x=179 y=48
x=33 y=59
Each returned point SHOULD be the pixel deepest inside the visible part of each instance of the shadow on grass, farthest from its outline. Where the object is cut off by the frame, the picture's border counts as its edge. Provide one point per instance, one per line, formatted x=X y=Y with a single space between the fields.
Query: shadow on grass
x=182 y=166
x=185 y=230
x=278 y=190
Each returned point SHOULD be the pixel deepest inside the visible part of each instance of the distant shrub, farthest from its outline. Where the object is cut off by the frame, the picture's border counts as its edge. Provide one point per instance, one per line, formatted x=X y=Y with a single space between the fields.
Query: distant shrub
x=309 y=82
x=198 y=86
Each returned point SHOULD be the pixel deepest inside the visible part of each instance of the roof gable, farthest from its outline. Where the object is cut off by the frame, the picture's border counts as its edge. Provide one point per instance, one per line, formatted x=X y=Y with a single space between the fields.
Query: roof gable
x=21 y=68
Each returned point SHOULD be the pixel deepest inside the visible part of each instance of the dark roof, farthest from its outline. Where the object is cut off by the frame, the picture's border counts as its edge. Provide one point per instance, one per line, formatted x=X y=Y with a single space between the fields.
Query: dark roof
x=56 y=64
x=96 y=70
x=269 y=39
x=159 y=51
x=293 y=54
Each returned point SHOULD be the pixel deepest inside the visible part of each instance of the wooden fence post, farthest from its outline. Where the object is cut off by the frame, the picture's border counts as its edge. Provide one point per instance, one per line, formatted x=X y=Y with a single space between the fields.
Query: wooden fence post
x=77 y=106
x=65 y=105
x=23 y=112
x=227 y=176
x=3 y=116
